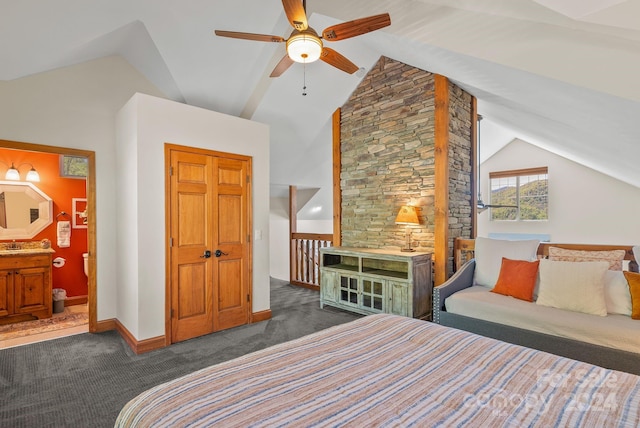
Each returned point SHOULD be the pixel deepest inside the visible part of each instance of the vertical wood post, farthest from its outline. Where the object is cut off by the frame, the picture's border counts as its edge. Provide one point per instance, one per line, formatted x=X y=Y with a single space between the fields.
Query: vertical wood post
x=337 y=166
x=441 y=197
x=293 y=228
x=475 y=184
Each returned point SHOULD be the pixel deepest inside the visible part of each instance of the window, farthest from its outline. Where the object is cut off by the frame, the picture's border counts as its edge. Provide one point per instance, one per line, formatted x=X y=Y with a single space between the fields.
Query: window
x=524 y=194
x=73 y=166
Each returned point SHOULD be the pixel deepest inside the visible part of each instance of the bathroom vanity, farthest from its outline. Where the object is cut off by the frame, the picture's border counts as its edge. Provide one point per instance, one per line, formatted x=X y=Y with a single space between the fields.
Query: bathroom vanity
x=25 y=284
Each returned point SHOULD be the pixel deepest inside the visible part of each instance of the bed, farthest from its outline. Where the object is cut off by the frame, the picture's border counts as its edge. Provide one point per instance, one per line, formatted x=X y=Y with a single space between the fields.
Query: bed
x=387 y=370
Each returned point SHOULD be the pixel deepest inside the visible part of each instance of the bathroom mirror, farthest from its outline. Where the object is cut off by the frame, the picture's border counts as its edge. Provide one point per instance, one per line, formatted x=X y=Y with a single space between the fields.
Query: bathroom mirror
x=25 y=210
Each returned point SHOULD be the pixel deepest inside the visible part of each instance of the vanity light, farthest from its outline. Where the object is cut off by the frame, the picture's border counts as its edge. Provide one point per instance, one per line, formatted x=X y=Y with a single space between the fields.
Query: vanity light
x=33 y=175
x=12 y=173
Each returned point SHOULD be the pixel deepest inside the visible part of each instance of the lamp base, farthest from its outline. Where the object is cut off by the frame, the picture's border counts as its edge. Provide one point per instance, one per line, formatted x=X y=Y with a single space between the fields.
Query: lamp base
x=407 y=250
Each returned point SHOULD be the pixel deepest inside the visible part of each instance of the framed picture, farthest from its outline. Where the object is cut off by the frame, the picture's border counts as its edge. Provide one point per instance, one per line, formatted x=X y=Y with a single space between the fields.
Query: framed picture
x=79 y=213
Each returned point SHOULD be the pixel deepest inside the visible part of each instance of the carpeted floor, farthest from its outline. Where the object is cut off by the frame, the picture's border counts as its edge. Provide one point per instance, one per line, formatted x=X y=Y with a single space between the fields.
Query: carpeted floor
x=84 y=380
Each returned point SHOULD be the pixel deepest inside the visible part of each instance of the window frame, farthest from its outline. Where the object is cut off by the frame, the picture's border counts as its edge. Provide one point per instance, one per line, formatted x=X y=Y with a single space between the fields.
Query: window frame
x=517 y=173
x=64 y=173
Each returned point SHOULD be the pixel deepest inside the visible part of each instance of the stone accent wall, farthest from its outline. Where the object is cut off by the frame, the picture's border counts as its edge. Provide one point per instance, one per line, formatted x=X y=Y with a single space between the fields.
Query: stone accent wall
x=387 y=150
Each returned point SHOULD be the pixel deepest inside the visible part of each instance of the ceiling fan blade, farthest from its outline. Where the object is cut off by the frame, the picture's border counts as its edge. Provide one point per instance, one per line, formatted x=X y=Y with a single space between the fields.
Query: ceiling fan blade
x=282 y=66
x=356 y=27
x=332 y=57
x=250 y=36
x=296 y=14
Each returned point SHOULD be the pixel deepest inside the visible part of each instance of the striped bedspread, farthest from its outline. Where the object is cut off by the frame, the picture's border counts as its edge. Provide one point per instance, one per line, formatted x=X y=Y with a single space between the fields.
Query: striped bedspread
x=385 y=370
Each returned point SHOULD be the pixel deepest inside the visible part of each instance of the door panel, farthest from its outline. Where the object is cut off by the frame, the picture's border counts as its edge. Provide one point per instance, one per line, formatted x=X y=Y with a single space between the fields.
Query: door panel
x=6 y=292
x=192 y=294
x=209 y=211
x=30 y=287
x=230 y=209
x=192 y=205
x=232 y=239
x=191 y=274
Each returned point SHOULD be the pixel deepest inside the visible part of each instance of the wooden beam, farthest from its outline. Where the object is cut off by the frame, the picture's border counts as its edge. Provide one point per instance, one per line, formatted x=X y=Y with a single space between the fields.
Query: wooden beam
x=441 y=198
x=474 y=167
x=337 y=166
x=293 y=228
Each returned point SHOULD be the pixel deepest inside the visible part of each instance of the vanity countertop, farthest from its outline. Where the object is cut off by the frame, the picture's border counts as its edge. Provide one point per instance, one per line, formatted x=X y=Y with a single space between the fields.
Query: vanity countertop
x=25 y=251
x=23 y=248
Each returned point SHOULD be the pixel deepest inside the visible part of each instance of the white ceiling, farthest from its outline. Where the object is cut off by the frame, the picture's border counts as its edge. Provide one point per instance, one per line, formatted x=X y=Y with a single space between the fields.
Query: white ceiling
x=561 y=74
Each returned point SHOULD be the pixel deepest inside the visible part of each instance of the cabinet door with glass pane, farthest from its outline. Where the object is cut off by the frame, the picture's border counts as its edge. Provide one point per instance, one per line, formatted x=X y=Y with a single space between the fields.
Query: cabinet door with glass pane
x=373 y=294
x=348 y=290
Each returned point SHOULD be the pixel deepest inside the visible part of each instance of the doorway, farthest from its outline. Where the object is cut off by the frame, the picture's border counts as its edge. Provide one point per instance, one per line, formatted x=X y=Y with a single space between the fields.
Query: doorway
x=209 y=254
x=92 y=303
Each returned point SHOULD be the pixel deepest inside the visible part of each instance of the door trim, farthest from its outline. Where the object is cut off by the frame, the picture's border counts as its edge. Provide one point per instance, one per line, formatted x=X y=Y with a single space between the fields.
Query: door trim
x=168 y=147
x=92 y=286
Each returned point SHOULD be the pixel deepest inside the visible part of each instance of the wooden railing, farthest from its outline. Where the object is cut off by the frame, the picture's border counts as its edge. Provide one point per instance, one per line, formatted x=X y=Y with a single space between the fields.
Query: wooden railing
x=305 y=258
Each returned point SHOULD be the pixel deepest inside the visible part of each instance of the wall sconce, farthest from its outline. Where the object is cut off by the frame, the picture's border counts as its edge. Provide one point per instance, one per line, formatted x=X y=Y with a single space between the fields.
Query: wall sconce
x=14 y=174
x=407 y=215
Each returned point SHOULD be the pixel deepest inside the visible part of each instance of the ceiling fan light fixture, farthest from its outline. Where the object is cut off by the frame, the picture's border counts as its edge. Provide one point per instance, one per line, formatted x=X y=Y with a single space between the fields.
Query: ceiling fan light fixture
x=304 y=47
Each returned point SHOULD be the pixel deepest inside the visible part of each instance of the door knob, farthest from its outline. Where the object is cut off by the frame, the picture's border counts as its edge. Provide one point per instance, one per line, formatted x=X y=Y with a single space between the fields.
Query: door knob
x=206 y=254
x=219 y=253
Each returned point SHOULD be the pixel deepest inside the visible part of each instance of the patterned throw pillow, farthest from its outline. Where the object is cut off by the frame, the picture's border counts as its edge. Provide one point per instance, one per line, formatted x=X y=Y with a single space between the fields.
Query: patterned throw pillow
x=613 y=257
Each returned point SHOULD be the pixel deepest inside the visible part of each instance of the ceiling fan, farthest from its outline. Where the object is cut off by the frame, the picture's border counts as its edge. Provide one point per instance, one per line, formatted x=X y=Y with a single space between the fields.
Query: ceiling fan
x=480 y=204
x=305 y=46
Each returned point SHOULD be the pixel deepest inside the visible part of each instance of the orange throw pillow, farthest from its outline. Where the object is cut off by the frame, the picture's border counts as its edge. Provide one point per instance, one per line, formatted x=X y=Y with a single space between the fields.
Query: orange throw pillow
x=634 y=287
x=517 y=279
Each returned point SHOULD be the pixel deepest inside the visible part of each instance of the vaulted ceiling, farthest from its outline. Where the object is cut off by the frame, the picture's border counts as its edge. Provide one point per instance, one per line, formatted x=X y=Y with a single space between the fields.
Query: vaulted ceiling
x=560 y=74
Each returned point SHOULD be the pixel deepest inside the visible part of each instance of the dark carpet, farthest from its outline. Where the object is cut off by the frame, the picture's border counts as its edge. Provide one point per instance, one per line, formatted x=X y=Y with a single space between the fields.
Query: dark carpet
x=84 y=380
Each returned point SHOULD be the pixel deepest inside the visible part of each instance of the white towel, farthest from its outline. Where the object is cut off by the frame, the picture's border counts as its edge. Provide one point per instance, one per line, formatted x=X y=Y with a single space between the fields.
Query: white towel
x=64 y=234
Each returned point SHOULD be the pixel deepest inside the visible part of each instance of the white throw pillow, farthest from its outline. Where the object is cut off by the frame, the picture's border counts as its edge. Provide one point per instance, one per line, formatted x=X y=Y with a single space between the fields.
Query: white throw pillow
x=574 y=286
x=616 y=293
x=489 y=253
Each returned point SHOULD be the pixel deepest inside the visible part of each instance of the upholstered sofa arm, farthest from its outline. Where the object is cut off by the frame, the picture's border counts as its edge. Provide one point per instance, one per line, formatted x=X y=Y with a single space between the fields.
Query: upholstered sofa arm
x=460 y=280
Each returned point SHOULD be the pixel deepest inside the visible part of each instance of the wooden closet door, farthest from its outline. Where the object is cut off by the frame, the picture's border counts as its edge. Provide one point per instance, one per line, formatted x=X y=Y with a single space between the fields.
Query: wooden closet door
x=210 y=243
x=231 y=306
x=191 y=237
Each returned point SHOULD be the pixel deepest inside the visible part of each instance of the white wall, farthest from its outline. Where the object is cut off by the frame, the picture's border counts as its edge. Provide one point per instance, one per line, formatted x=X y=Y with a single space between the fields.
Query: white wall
x=141 y=251
x=75 y=107
x=585 y=206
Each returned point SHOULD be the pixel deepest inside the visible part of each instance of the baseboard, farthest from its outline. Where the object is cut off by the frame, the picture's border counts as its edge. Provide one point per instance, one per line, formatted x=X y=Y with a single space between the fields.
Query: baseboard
x=261 y=316
x=139 y=347
x=305 y=285
x=104 y=325
x=147 y=345
x=142 y=346
x=76 y=300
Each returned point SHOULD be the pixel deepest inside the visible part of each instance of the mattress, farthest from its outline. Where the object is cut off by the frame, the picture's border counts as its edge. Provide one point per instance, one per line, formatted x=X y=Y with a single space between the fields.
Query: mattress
x=386 y=370
x=613 y=331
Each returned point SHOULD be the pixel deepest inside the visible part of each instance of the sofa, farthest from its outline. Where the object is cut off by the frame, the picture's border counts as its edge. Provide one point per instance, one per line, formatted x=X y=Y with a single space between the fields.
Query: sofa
x=572 y=300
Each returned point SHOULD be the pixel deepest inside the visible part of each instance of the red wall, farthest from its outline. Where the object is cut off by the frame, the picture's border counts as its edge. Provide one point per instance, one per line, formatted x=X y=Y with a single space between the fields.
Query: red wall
x=61 y=190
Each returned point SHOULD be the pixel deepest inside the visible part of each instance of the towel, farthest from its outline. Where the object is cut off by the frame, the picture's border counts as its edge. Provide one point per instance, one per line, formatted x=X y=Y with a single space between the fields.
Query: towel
x=64 y=234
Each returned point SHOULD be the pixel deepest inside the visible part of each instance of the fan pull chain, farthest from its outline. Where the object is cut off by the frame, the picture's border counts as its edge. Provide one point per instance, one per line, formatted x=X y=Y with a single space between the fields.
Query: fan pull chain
x=304 y=79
